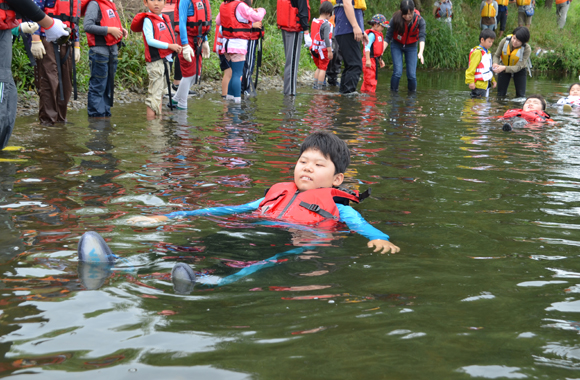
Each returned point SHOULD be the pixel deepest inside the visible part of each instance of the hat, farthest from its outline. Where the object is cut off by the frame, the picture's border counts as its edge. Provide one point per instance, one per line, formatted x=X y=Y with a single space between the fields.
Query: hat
x=379 y=19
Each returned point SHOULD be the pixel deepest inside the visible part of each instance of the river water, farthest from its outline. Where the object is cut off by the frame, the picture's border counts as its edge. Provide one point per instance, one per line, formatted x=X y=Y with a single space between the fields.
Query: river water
x=485 y=286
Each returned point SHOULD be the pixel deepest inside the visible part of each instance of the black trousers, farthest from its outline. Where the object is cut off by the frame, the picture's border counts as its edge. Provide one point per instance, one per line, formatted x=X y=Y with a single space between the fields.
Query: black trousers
x=352 y=57
x=503 y=82
x=334 y=65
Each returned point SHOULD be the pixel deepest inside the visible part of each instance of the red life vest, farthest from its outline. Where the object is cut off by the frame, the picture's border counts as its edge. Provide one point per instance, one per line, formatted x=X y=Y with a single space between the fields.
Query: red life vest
x=109 y=18
x=411 y=34
x=200 y=23
x=377 y=46
x=287 y=16
x=285 y=201
x=231 y=26
x=318 y=43
x=7 y=17
x=62 y=11
x=161 y=32
x=218 y=41
x=529 y=116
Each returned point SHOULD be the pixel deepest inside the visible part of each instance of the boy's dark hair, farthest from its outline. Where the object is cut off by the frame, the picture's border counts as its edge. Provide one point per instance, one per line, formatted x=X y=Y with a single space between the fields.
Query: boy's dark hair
x=573 y=84
x=486 y=33
x=522 y=33
x=327 y=8
x=540 y=97
x=331 y=146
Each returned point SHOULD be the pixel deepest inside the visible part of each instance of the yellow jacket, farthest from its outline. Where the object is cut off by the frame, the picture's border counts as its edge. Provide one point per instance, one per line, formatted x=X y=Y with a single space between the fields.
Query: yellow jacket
x=470 y=72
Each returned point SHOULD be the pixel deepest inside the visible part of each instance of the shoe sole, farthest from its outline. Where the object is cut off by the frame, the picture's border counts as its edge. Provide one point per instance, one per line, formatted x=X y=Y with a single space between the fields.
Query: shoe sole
x=93 y=249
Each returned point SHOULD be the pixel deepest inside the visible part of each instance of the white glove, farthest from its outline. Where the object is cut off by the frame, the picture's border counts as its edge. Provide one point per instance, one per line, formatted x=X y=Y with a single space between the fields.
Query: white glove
x=56 y=31
x=307 y=40
x=188 y=53
x=37 y=49
x=205 y=53
x=77 y=54
x=29 y=27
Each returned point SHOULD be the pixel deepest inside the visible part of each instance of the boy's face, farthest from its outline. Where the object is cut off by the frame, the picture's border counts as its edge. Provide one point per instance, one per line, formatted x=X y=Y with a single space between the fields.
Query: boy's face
x=155 y=6
x=487 y=43
x=314 y=171
x=575 y=90
x=533 y=104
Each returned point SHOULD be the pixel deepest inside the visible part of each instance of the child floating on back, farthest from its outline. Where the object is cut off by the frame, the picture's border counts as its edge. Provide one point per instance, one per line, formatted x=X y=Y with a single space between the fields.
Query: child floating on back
x=573 y=98
x=373 y=52
x=321 y=48
x=160 y=43
x=479 y=74
x=314 y=198
x=533 y=111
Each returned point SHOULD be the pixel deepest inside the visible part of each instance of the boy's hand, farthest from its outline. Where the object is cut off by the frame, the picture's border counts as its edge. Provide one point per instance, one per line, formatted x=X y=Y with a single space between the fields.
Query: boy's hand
x=205 y=52
x=257 y=25
x=494 y=84
x=175 y=47
x=384 y=246
x=125 y=33
x=147 y=219
x=381 y=63
x=472 y=86
x=116 y=32
x=330 y=55
x=368 y=63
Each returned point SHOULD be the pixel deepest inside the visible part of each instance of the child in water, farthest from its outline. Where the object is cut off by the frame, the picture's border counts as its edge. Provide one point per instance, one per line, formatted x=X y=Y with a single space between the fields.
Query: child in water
x=479 y=74
x=533 y=111
x=160 y=43
x=373 y=52
x=321 y=48
x=313 y=198
x=573 y=98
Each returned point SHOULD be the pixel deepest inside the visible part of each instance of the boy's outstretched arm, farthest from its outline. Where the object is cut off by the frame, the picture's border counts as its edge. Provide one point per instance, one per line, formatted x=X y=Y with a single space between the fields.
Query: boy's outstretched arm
x=357 y=223
x=212 y=211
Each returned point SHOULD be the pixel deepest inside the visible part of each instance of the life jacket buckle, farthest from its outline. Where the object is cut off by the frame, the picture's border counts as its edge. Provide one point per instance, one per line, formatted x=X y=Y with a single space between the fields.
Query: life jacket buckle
x=313 y=207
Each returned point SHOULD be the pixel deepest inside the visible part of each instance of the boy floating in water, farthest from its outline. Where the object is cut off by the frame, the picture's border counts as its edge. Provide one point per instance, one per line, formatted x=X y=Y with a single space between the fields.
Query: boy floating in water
x=573 y=98
x=313 y=198
x=532 y=112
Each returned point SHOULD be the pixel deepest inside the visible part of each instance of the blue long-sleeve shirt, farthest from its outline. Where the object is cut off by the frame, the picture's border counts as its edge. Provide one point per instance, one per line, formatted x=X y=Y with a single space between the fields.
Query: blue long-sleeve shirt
x=43 y=4
x=348 y=215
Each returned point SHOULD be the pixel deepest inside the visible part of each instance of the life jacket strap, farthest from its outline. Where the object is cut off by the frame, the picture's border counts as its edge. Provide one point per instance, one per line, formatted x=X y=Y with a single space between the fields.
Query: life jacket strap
x=317 y=209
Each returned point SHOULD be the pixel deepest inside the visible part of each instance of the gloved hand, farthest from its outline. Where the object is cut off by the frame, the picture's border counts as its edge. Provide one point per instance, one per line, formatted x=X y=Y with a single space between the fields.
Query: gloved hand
x=188 y=53
x=77 y=54
x=55 y=31
x=37 y=49
x=29 y=27
x=205 y=53
x=307 y=40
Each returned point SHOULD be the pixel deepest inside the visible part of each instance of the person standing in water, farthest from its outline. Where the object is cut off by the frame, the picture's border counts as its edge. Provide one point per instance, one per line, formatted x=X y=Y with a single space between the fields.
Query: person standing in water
x=511 y=61
x=406 y=31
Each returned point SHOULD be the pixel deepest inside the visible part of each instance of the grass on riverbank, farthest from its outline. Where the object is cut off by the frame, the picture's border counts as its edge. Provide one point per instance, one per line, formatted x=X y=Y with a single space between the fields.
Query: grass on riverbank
x=444 y=49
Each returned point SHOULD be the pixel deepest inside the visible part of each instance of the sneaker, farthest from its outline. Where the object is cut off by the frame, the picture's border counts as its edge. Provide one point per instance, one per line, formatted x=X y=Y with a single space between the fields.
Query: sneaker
x=175 y=106
x=183 y=278
x=93 y=249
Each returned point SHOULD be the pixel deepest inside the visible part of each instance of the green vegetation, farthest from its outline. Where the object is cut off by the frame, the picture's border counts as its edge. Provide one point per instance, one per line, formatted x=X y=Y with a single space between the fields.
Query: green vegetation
x=445 y=49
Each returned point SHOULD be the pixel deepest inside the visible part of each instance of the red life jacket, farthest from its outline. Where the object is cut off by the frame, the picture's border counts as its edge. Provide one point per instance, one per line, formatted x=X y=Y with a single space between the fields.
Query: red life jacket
x=377 y=46
x=318 y=43
x=411 y=34
x=218 y=41
x=285 y=201
x=287 y=16
x=7 y=17
x=109 y=18
x=231 y=27
x=62 y=11
x=529 y=116
x=200 y=23
x=161 y=31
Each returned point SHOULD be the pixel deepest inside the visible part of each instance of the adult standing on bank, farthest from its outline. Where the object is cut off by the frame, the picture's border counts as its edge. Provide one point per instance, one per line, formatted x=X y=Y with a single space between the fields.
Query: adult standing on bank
x=54 y=63
x=562 y=7
x=525 y=12
x=54 y=29
x=349 y=18
x=407 y=29
x=511 y=61
x=293 y=17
